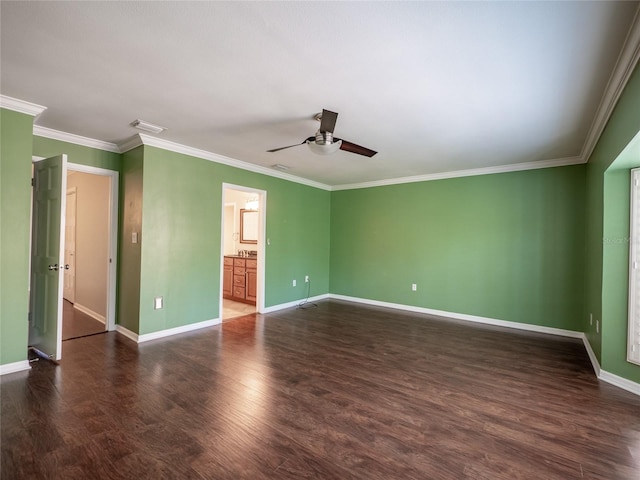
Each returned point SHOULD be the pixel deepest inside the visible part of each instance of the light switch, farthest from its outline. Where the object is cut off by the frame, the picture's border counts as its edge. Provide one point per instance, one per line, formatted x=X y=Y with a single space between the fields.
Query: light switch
x=157 y=303
x=134 y=237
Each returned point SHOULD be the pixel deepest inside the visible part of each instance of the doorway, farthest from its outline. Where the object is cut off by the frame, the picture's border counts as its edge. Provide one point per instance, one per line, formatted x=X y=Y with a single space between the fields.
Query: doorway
x=85 y=290
x=242 y=251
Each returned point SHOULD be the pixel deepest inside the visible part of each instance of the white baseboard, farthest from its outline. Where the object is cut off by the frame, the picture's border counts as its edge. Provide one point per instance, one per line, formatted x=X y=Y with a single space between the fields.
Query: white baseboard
x=14 y=367
x=608 y=377
x=620 y=382
x=127 y=333
x=175 y=331
x=463 y=316
x=592 y=356
x=295 y=303
x=91 y=313
x=165 y=333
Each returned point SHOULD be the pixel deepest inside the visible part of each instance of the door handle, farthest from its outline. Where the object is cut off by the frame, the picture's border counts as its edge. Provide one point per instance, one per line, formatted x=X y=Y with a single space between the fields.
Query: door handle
x=53 y=267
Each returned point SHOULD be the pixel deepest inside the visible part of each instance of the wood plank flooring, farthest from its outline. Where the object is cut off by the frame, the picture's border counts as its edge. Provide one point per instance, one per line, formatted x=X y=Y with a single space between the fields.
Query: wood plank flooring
x=342 y=391
x=78 y=324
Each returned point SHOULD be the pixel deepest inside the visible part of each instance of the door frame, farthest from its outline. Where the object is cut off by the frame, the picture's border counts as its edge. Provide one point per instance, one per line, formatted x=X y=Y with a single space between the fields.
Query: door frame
x=112 y=269
x=262 y=228
x=70 y=191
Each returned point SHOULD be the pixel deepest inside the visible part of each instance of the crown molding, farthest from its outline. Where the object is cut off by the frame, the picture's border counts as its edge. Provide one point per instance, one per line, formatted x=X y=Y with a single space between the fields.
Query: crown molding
x=625 y=65
x=130 y=143
x=21 y=106
x=75 y=139
x=559 y=162
x=142 y=139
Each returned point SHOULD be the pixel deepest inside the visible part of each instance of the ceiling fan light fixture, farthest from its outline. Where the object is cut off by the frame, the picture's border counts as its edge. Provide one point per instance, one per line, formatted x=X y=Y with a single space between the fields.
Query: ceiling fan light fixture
x=147 y=127
x=324 y=149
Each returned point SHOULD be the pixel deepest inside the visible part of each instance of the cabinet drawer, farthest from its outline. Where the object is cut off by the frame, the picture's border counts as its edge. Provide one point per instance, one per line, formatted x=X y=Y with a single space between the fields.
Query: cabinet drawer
x=238 y=292
x=239 y=262
x=238 y=280
x=238 y=270
x=252 y=264
x=228 y=261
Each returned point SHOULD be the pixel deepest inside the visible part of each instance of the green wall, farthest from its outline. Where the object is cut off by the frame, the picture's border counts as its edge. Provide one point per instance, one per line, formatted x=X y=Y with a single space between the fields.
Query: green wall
x=505 y=246
x=92 y=157
x=615 y=275
x=607 y=259
x=180 y=239
x=15 y=204
x=129 y=254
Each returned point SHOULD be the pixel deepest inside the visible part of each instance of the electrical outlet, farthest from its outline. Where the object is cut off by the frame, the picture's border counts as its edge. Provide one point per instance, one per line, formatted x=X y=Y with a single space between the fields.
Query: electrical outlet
x=157 y=303
x=597 y=326
x=414 y=287
x=294 y=283
x=591 y=319
x=306 y=279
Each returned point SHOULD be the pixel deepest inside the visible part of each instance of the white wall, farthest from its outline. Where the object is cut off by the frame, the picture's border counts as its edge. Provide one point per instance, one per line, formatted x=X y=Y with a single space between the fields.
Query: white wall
x=92 y=240
x=229 y=229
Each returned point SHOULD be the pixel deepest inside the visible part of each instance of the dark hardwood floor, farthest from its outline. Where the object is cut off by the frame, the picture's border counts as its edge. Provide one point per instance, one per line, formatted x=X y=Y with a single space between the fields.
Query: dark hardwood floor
x=341 y=391
x=78 y=324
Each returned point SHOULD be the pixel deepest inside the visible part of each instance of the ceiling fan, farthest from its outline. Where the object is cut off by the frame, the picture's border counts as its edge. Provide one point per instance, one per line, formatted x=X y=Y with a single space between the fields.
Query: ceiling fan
x=324 y=143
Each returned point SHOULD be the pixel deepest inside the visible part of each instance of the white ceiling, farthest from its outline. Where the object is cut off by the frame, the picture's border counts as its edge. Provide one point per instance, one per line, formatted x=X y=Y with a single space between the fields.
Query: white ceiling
x=432 y=86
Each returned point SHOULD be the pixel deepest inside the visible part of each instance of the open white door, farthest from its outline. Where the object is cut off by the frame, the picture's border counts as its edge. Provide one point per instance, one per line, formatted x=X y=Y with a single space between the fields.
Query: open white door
x=47 y=255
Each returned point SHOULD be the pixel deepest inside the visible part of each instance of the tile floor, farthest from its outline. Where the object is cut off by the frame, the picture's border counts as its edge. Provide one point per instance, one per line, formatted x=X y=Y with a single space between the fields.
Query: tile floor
x=231 y=309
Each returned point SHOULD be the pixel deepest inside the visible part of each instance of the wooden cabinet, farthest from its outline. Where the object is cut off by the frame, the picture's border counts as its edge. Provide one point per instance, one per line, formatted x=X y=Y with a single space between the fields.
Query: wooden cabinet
x=240 y=279
x=227 y=278
x=251 y=272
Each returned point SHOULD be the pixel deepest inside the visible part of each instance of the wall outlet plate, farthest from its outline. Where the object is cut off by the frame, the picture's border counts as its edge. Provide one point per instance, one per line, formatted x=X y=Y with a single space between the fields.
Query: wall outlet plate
x=306 y=279
x=294 y=283
x=157 y=303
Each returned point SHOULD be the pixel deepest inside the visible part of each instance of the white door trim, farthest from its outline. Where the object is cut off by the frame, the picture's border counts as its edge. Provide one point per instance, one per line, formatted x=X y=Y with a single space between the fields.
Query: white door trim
x=262 y=228
x=69 y=292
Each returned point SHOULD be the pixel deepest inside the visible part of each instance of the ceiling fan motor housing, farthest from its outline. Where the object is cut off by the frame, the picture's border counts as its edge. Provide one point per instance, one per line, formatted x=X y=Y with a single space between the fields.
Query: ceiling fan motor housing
x=324 y=138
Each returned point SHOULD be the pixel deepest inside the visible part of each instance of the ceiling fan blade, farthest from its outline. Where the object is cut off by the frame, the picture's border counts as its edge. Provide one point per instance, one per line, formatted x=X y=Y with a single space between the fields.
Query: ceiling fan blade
x=353 y=148
x=290 y=146
x=328 y=122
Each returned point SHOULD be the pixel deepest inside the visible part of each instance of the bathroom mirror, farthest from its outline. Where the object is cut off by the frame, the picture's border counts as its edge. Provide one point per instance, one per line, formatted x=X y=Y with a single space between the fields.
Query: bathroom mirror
x=248 y=226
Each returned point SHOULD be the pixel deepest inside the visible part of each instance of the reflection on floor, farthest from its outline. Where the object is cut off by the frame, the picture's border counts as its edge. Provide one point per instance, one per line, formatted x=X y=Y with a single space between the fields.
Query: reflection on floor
x=77 y=324
x=231 y=309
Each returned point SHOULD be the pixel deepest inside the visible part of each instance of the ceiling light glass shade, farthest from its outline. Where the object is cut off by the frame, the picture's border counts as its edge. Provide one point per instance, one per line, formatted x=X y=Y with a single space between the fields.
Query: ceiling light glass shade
x=326 y=149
